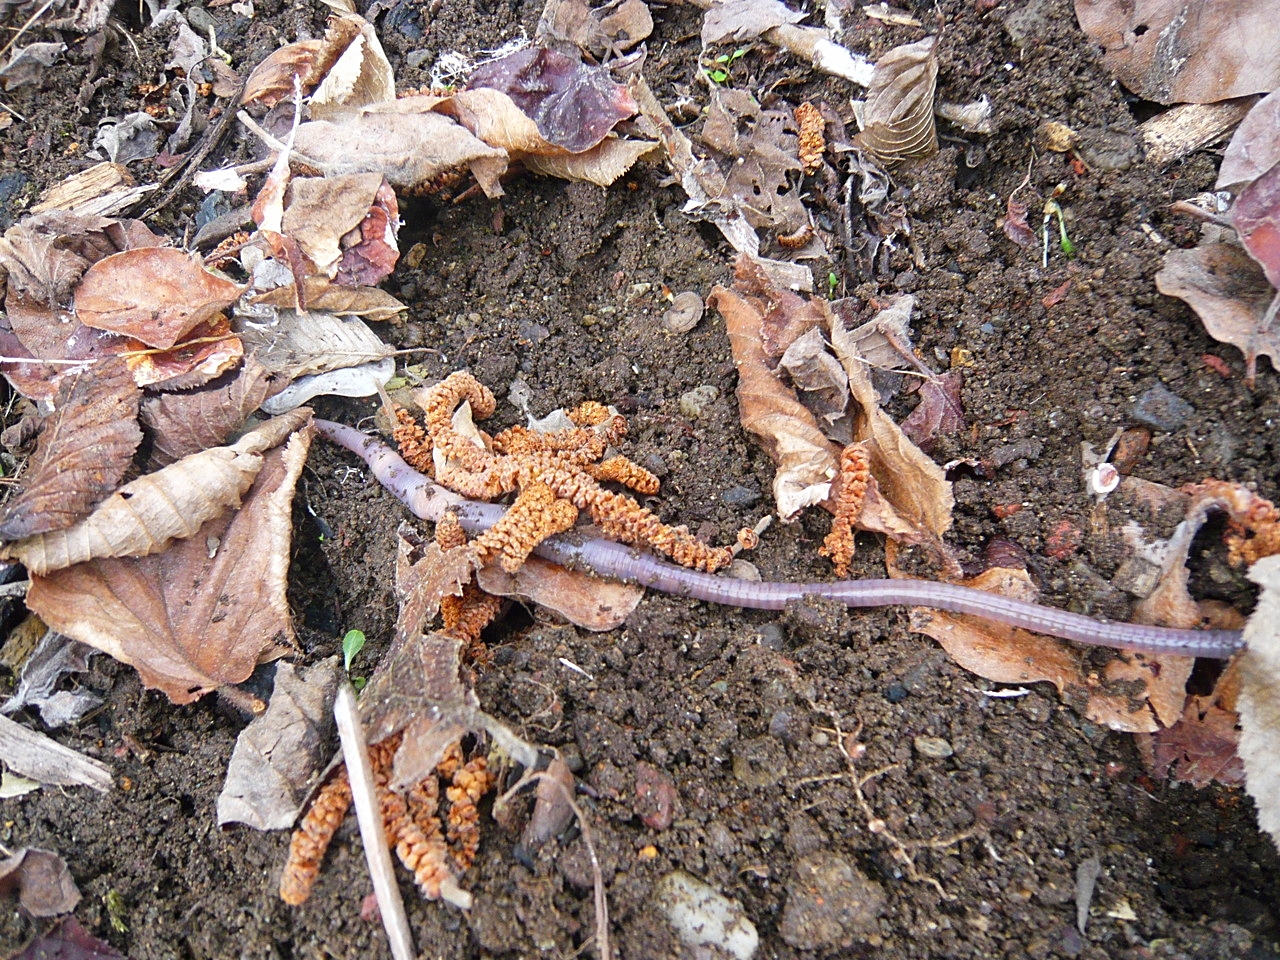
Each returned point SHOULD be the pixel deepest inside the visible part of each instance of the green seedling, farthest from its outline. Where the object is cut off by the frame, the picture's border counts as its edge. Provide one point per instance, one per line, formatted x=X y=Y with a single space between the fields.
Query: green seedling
x=832 y=282
x=1052 y=210
x=116 y=911
x=352 y=644
x=720 y=72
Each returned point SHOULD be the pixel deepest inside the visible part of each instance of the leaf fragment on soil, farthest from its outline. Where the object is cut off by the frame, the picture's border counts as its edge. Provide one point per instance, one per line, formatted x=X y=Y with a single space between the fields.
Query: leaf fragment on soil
x=44 y=884
x=42 y=758
x=82 y=452
x=583 y=600
x=897 y=119
x=67 y=940
x=280 y=754
x=209 y=608
x=1229 y=293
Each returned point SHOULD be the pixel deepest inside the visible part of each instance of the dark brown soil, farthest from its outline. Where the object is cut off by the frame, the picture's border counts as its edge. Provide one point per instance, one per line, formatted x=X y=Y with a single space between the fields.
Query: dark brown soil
x=562 y=285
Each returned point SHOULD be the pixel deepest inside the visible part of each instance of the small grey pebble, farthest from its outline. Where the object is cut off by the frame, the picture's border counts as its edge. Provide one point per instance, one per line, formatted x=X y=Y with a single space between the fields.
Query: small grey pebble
x=935 y=747
x=1161 y=409
x=740 y=496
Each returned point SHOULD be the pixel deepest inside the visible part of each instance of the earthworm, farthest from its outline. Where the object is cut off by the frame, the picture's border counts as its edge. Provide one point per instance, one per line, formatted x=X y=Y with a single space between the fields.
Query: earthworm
x=429 y=501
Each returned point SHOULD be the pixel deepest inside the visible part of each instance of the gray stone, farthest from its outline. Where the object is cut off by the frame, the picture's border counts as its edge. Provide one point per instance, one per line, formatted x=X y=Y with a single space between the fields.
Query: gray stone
x=1161 y=409
x=829 y=904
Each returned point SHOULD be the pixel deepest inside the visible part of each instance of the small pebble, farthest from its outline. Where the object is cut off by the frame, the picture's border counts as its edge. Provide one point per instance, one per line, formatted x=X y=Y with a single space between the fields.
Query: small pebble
x=935 y=747
x=702 y=916
x=1161 y=409
x=694 y=403
x=896 y=692
x=740 y=496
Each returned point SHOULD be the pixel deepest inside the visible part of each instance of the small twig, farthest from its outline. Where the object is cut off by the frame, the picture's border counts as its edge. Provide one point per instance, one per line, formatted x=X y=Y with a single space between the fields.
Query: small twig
x=372 y=831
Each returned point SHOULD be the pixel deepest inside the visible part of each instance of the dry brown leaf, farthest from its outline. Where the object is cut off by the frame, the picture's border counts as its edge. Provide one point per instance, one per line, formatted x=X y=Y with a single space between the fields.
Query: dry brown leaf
x=44 y=884
x=1229 y=293
x=368 y=303
x=602 y=165
x=1185 y=51
x=494 y=117
x=361 y=75
x=580 y=598
x=897 y=118
x=736 y=21
x=208 y=609
x=408 y=147
x=425 y=575
x=156 y=295
x=144 y=515
x=272 y=80
x=321 y=211
x=83 y=450
x=617 y=26
x=279 y=756
x=186 y=423
x=805 y=460
x=1007 y=655
x=209 y=351
x=1200 y=748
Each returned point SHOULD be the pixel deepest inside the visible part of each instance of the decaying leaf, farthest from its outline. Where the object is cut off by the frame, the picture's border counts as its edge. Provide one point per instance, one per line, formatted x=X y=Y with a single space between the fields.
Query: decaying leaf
x=82 y=452
x=580 y=598
x=318 y=294
x=1255 y=146
x=185 y=423
x=602 y=165
x=1200 y=748
x=361 y=74
x=297 y=343
x=1229 y=293
x=29 y=63
x=804 y=459
x=142 y=517
x=45 y=760
x=209 y=608
x=1256 y=217
x=54 y=657
x=1259 y=702
x=67 y=940
x=1182 y=51
x=425 y=575
x=573 y=104
x=156 y=295
x=272 y=80
x=281 y=754
x=1129 y=695
x=616 y=26
x=360 y=381
x=896 y=120
x=322 y=213
x=43 y=882
x=939 y=411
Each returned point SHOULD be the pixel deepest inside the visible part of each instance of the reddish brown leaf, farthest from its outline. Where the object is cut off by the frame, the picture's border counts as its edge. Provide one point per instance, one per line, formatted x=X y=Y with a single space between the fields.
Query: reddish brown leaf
x=574 y=105
x=345 y=224
x=44 y=884
x=1256 y=217
x=938 y=412
x=1200 y=748
x=183 y=423
x=373 y=256
x=84 y=448
x=204 y=612
x=1015 y=225
x=68 y=941
x=209 y=351
x=1255 y=146
x=155 y=295
x=273 y=78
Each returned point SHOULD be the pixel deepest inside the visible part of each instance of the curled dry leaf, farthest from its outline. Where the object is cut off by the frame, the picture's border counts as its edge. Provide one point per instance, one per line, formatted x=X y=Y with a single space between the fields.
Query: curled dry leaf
x=602 y=165
x=805 y=460
x=1256 y=217
x=279 y=756
x=1229 y=293
x=318 y=294
x=156 y=295
x=736 y=21
x=939 y=411
x=43 y=882
x=1007 y=655
x=617 y=26
x=82 y=452
x=272 y=80
x=210 y=350
x=144 y=515
x=1255 y=146
x=186 y=423
x=1179 y=51
x=207 y=610
x=897 y=118
x=360 y=75
x=1259 y=700
x=299 y=343
x=573 y=104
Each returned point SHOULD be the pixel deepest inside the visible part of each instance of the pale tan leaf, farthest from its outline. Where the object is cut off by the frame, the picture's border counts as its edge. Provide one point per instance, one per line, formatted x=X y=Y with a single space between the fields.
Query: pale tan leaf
x=367 y=303
x=144 y=515
x=897 y=118
x=408 y=148
x=494 y=117
x=425 y=575
x=1255 y=146
x=580 y=598
x=806 y=460
x=602 y=164
x=362 y=75
x=156 y=295
x=45 y=887
x=321 y=210
x=208 y=609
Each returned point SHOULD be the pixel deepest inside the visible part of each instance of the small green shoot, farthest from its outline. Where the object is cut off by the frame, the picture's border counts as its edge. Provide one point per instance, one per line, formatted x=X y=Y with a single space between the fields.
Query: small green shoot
x=720 y=72
x=1053 y=210
x=832 y=283
x=116 y=911
x=352 y=644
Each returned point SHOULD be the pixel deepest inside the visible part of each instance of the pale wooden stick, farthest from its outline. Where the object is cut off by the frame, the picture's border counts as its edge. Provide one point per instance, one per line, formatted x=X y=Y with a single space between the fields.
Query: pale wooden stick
x=368 y=814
